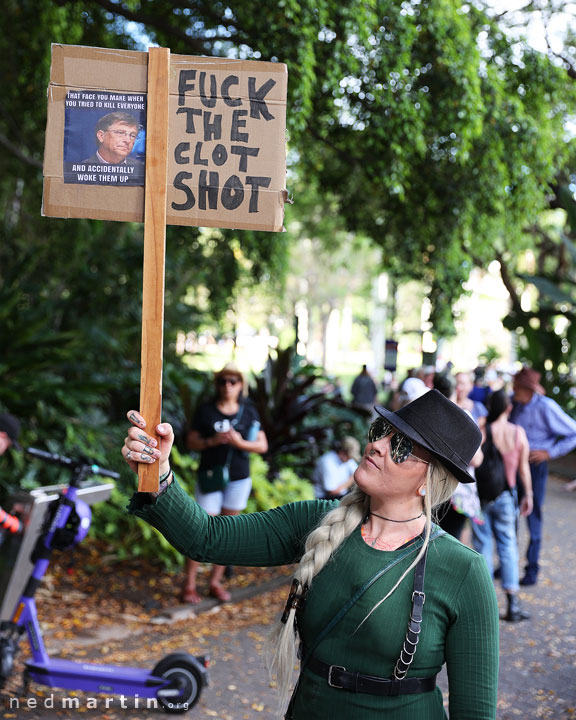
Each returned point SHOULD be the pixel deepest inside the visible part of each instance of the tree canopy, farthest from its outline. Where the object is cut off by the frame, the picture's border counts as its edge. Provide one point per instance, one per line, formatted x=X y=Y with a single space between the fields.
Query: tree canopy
x=421 y=124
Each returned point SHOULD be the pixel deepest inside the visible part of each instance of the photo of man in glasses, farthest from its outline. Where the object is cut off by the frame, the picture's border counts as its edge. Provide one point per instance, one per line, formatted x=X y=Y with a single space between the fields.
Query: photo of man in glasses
x=104 y=138
x=116 y=134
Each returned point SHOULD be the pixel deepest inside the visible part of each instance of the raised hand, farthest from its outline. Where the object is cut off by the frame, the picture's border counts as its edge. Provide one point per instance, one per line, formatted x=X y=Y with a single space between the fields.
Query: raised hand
x=139 y=447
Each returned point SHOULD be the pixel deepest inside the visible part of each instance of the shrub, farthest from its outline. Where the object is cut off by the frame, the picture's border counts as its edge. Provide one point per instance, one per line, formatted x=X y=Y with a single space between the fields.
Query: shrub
x=286 y=488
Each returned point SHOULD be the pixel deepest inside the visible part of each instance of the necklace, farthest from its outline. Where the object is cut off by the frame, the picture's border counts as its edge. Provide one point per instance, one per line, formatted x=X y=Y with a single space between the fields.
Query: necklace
x=379 y=544
x=396 y=521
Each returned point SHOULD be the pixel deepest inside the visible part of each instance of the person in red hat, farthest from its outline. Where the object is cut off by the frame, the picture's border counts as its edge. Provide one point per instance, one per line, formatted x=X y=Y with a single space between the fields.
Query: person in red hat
x=551 y=433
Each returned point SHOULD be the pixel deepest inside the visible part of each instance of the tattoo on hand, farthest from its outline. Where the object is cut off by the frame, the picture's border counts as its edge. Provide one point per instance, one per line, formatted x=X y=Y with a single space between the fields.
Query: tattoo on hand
x=133 y=417
x=148 y=451
x=129 y=455
x=144 y=439
x=146 y=458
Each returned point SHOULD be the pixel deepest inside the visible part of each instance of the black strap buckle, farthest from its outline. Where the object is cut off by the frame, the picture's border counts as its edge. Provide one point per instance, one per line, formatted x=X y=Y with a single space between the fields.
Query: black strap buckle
x=421 y=594
x=335 y=667
x=295 y=599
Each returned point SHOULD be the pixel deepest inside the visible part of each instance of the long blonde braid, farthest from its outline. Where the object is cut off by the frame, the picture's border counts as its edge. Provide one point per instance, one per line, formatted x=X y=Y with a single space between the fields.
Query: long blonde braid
x=320 y=545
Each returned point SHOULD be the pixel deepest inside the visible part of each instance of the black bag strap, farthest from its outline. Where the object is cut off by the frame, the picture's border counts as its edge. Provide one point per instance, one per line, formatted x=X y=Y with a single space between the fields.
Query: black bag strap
x=235 y=422
x=489 y=434
x=491 y=439
x=415 y=623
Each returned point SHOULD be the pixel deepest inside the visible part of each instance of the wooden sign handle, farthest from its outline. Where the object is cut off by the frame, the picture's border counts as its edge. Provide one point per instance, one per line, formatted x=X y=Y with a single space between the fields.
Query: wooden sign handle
x=154 y=253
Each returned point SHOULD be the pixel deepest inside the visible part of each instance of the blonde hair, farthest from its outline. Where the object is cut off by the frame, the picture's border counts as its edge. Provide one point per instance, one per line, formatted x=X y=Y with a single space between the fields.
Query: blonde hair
x=321 y=544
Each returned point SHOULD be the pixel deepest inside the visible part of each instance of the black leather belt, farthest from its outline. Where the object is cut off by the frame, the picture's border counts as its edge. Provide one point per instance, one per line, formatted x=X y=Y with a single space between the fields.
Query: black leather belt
x=339 y=677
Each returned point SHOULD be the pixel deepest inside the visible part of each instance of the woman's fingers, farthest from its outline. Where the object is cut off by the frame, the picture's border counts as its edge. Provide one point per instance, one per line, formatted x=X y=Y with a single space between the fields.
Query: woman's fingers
x=139 y=447
x=138 y=435
x=140 y=443
x=136 y=451
x=135 y=418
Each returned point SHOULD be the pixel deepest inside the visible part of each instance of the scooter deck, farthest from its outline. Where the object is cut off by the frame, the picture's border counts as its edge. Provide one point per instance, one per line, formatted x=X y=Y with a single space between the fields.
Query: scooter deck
x=90 y=677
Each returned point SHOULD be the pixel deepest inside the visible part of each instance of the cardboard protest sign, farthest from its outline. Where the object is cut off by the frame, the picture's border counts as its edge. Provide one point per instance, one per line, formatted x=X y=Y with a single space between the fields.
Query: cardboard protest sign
x=226 y=139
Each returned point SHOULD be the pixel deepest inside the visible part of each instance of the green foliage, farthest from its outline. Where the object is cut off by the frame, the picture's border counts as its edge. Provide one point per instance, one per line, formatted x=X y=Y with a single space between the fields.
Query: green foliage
x=300 y=418
x=184 y=465
x=286 y=488
x=440 y=144
x=546 y=334
x=426 y=125
x=128 y=536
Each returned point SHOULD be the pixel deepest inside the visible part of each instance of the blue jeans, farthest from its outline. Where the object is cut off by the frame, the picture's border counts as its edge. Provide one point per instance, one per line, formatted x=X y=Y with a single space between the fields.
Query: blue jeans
x=539 y=477
x=499 y=525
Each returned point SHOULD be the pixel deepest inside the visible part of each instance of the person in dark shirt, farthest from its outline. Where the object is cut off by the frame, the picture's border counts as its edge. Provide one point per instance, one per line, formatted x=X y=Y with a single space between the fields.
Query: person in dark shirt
x=364 y=390
x=224 y=430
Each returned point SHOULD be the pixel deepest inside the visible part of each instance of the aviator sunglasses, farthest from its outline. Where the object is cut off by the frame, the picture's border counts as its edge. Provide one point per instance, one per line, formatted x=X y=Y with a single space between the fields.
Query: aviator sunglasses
x=401 y=447
x=227 y=381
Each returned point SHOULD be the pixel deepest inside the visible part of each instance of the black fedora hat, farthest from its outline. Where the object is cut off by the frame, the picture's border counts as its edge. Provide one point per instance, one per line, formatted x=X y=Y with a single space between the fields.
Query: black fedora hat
x=440 y=426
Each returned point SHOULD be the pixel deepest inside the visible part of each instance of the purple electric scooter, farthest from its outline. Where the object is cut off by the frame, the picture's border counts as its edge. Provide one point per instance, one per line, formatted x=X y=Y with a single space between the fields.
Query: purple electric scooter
x=175 y=682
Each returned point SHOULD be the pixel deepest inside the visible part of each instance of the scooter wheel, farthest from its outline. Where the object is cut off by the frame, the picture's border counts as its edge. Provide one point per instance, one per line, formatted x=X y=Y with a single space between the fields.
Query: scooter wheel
x=186 y=679
x=7 y=652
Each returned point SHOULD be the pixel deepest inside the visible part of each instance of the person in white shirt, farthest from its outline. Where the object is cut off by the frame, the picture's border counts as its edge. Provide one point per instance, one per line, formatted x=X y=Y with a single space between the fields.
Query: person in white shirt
x=334 y=472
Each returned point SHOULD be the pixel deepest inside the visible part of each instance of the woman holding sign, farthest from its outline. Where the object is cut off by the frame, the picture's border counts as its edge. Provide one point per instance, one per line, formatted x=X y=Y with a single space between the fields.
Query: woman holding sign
x=381 y=597
x=224 y=431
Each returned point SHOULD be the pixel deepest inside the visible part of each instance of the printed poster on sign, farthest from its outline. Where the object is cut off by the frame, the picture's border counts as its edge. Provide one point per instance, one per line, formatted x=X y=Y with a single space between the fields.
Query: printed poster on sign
x=104 y=138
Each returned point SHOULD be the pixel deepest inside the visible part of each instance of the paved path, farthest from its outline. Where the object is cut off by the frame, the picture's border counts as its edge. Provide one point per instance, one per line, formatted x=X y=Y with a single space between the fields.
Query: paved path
x=538 y=657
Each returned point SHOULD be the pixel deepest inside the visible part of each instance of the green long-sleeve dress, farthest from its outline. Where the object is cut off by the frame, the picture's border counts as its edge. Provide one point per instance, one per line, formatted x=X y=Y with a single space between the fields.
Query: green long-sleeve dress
x=460 y=616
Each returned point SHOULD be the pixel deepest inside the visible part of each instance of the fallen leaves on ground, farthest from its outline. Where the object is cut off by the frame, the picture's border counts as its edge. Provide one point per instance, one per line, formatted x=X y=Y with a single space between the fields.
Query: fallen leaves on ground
x=99 y=589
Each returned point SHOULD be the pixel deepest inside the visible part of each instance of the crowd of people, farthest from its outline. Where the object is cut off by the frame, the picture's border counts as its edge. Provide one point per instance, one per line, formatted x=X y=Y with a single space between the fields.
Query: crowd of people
x=522 y=426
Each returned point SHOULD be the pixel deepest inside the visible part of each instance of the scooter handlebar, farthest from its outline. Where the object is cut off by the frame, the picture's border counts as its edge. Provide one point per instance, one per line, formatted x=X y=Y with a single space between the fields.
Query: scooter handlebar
x=56 y=459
